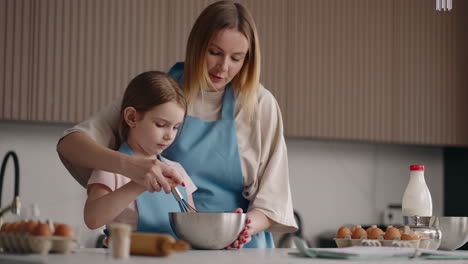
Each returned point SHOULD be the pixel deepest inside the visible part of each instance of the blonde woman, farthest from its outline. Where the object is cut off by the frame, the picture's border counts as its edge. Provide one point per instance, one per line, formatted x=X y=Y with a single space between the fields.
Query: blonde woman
x=232 y=147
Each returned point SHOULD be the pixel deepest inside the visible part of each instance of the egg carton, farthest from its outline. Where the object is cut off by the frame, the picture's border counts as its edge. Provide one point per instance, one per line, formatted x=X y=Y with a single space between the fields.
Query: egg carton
x=25 y=244
x=347 y=241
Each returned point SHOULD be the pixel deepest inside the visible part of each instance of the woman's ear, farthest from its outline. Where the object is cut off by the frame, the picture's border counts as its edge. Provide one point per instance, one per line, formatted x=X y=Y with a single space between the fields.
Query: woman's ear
x=130 y=116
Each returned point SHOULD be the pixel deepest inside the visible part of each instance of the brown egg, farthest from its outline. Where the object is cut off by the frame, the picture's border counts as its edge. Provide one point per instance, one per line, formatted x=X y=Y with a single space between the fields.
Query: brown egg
x=359 y=233
x=42 y=229
x=343 y=231
x=355 y=227
x=21 y=226
x=14 y=228
x=375 y=233
x=5 y=227
x=408 y=234
x=409 y=237
x=30 y=226
x=64 y=230
x=392 y=233
x=369 y=230
x=56 y=224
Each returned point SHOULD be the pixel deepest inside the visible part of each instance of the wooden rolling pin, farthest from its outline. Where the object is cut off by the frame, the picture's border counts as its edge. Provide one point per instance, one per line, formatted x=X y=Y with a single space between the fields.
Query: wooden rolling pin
x=154 y=244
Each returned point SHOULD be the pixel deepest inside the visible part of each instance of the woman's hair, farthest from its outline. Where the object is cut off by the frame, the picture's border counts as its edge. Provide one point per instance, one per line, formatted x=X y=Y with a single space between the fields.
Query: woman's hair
x=147 y=90
x=218 y=16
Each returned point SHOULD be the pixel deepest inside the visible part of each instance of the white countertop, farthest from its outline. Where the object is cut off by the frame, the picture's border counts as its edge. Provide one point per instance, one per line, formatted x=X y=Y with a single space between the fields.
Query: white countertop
x=243 y=256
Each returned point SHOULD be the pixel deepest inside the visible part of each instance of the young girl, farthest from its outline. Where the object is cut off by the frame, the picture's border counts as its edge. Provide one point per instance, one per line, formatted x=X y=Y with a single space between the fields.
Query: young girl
x=153 y=110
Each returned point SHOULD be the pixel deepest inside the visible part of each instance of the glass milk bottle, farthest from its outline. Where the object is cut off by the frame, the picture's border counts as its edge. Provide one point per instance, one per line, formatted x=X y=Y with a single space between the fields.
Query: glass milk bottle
x=417 y=198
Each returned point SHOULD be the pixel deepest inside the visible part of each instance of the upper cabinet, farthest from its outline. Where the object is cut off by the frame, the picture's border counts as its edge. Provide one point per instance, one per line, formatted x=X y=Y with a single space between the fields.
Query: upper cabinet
x=370 y=70
x=340 y=78
x=384 y=71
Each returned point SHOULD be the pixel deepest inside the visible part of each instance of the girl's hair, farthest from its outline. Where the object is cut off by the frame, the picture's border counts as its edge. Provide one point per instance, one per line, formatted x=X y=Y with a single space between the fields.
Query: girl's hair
x=147 y=90
x=218 y=16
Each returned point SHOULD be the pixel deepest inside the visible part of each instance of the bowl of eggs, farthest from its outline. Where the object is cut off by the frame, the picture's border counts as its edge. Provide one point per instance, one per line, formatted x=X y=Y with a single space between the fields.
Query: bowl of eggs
x=24 y=237
x=402 y=236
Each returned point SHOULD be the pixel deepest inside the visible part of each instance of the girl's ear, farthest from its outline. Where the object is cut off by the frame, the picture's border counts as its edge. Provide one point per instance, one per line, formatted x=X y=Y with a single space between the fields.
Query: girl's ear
x=130 y=116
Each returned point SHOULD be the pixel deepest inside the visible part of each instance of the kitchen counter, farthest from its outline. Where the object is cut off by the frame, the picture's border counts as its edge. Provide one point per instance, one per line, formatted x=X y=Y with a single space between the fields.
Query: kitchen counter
x=244 y=256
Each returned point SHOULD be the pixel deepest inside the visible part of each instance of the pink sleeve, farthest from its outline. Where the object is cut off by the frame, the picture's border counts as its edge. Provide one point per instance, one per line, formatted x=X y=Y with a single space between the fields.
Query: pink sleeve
x=105 y=178
x=111 y=182
x=189 y=185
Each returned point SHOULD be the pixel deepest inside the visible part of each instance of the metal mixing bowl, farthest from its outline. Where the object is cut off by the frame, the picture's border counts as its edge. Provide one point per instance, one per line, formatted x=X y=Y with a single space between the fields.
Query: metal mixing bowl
x=207 y=230
x=454 y=231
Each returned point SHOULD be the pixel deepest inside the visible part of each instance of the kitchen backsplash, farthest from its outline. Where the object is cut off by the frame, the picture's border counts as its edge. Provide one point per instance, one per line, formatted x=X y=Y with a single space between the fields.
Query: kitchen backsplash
x=333 y=183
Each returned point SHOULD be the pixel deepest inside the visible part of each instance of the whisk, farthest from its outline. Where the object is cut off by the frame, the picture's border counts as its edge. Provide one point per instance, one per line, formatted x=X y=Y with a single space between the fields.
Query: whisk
x=184 y=205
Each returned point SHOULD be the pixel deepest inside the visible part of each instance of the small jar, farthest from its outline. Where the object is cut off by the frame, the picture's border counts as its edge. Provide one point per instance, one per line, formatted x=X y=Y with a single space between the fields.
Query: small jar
x=120 y=240
x=425 y=227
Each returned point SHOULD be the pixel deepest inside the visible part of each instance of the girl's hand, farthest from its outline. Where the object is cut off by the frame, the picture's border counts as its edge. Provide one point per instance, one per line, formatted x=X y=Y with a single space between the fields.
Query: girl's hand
x=153 y=174
x=245 y=235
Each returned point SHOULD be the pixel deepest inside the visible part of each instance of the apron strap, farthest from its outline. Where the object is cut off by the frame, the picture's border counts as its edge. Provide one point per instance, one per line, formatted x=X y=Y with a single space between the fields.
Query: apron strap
x=229 y=103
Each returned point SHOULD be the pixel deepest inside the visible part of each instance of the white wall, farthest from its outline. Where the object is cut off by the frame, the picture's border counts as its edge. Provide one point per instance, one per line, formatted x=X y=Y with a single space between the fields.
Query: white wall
x=341 y=183
x=43 y=178
x=333 y=183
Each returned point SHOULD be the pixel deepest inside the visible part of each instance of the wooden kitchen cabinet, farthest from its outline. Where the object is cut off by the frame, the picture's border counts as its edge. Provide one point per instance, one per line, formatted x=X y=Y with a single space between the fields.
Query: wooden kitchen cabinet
x=430 y=80
x=15 y=56
x=339 y=82
x=388 y=71
x=383 y=71
x=78 y=56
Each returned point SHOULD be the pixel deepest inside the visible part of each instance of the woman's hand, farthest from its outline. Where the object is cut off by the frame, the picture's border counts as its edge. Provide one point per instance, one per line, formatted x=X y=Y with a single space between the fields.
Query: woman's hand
x=256 y=222
x=245 y=235
x=152 y=173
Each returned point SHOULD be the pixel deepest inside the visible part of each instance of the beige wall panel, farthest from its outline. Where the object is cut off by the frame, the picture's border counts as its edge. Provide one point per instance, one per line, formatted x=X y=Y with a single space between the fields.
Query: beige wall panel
x=181 y=16
x=14 y=58
x=371 y=70
x=58 y=27
x=461 y=110
x=8 y=10
x=339 y=69
x=3 y=44
x=87 y=52
x=39 y=88
x=271 y=19
x=427 y=86
x=21 y=56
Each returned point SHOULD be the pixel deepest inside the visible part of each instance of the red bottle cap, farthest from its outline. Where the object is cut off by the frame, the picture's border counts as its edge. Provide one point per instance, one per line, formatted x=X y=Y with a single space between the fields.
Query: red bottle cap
x=416 y=167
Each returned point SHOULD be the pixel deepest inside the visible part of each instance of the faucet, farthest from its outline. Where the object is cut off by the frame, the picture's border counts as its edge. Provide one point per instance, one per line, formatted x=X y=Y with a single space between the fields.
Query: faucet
x=15 y=206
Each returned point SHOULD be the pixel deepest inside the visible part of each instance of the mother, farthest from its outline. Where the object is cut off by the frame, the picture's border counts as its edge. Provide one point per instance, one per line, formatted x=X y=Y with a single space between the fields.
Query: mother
x=232 y=146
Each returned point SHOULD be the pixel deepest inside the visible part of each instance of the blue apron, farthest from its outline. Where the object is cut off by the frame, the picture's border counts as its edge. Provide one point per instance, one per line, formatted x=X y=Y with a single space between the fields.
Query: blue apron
x=153 y=208
x=209 y=153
